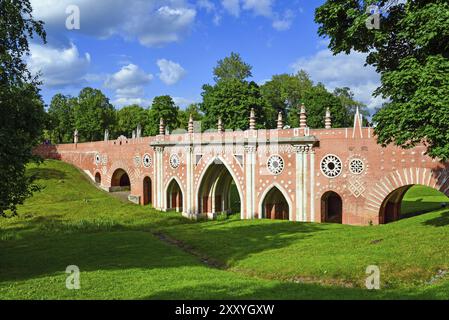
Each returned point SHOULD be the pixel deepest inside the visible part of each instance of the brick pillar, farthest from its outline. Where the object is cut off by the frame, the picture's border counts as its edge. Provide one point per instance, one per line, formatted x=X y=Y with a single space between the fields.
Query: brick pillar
x=160 y=204
x=299 y=183
x=250 y=178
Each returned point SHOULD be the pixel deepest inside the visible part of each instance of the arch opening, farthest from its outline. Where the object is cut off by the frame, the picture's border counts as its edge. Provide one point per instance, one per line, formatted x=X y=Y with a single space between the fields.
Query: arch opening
x=218 y=192
x=275 y=206
x=147 y=191
x=120 y=181
x=409 y=201
x=331 y=208
x=98 y=178
x=174 y=196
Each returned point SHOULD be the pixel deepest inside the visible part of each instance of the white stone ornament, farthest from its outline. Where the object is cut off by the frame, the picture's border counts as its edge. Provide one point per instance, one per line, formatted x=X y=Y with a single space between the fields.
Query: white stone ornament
x=174 y=161
x=147 y=161
x=275 y=164
x=331 y=166
x=97 y=159
x=356 y=166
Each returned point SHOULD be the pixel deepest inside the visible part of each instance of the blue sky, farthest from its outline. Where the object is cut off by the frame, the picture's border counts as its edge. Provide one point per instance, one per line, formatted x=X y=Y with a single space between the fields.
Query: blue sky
x=134 y=50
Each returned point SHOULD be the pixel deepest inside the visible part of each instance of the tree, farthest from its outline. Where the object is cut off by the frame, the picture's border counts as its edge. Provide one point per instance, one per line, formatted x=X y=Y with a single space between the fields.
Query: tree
x=93 y=114
x=184 y=115
x=232 y=67
x=284 y=94
x=61 y=115
x=21 y=107
x=411 y=52
x=232 y=100
x=162 y=107
x=128 y=118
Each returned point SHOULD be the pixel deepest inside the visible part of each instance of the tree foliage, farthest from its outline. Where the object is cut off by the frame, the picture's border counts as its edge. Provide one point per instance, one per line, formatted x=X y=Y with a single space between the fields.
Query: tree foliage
x=93 y=114
x=128 y=118
x=184 y=115
x=232 y=100
x=162 y=107
x=21 y=107
x=411 y=52
x=61 y=116
x=232 y=68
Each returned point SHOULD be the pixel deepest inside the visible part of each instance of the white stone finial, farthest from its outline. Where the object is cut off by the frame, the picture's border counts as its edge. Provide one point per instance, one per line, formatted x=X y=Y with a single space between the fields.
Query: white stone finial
x=328 y=119
x=75 y=136
x=280 y=123
x=191 y=128
x=252 y=120
x=220 y=125
x=161 y=127
x=358 y=119
x=303 y=117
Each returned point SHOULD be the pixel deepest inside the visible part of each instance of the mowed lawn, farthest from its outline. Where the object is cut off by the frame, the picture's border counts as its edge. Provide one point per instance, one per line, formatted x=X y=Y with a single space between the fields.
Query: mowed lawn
x=126 y=251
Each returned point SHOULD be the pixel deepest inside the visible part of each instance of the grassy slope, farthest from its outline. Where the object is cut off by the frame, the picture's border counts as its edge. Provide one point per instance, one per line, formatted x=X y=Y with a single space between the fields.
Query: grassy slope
x=71 y=222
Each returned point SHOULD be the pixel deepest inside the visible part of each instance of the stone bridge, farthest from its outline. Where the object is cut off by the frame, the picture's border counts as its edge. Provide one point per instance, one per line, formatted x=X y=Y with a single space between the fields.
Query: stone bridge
x=298 y=174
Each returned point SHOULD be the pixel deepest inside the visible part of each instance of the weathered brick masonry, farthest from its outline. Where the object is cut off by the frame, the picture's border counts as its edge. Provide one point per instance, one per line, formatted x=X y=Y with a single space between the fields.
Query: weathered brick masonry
x=300 y=174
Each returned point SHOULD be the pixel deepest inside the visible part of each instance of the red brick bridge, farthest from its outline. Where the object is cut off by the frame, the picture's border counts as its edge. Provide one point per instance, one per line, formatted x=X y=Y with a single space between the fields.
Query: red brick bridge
x=300 y=174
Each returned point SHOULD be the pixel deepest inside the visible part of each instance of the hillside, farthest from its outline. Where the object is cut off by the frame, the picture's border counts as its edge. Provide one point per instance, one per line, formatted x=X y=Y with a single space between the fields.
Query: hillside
x=131 y=252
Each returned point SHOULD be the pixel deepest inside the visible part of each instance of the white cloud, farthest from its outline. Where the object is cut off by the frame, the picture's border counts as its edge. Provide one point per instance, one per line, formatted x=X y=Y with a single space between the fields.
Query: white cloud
x=232 y=6
x=264 y=8
x=171 y=72
x=128 y=84
x=343 y=71
x=259 y=7
x=285 y=22
x=151 y=22
x=59 y=67
x=183 y=102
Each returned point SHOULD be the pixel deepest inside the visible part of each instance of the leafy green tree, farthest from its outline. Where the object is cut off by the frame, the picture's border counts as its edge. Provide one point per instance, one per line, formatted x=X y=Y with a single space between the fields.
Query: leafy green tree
x=184 y=115
x=128 y=118
x=162 y=107
x=232 y=67
x=411 y=52
x=232 y=100
x=61 y=118
x=21 y=107
x=347 y=100
x=317 y=99
x=284 y=94
x=93 y=114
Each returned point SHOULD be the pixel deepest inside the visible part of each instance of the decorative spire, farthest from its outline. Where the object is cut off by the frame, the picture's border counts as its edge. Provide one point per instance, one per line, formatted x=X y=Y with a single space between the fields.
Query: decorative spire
x=280 y=121
x=328 y=120
x=75 y=136
x=191 y=129
x=139 y=131
x=357 y=124
x=303 y=117
x=161 y=127
x=220 y=125
x=106 y=135
x=252 y=120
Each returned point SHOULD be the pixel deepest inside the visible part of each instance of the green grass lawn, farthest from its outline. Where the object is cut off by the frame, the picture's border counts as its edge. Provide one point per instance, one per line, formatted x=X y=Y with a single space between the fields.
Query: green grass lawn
x=121 y=252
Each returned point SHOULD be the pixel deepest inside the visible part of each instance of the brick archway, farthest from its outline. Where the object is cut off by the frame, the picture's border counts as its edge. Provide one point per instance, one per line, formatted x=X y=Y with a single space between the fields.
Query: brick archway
x=225 y=167
x=331 y=207
x=278 y=208
x=174 y=195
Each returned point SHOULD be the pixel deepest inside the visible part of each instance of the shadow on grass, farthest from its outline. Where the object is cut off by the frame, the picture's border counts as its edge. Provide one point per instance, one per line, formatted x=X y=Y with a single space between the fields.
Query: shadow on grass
x=441 y=221
x=46 y=174
x=48 y=244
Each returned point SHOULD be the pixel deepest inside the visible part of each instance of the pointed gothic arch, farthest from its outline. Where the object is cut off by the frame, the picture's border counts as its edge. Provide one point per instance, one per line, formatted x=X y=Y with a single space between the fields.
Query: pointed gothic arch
x=275 y=203
x=174 y=195
x=211 y=195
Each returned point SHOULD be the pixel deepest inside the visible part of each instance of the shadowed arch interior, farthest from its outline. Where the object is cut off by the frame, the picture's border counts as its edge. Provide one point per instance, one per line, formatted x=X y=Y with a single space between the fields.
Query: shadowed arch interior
x=120 y=181
x=331 y=208
x=218 y=191
x=174 y=196
x=409 y=201
x=98 y=178
x=147 y=191
x=275 y=206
